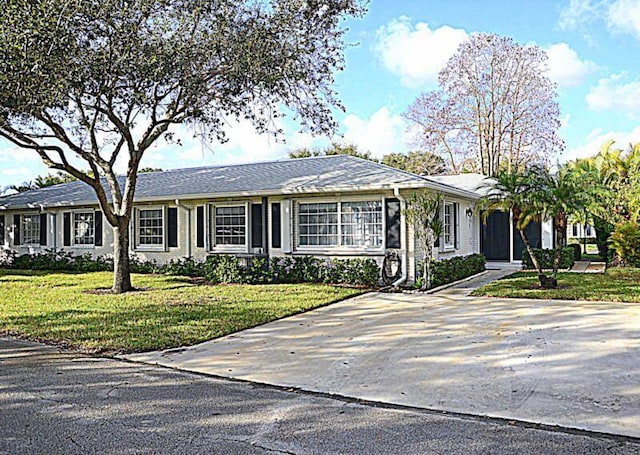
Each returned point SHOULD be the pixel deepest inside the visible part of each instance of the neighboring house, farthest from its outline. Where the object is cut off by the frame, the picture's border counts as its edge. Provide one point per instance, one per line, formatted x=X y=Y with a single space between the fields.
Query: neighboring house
x=580 y=231
x=499 y=239
x=335 y=206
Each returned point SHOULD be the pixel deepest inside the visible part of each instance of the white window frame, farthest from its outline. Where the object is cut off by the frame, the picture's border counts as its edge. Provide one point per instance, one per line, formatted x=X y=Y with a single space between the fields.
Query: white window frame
x=23 y=237
x=450 y=224
x=73 y=228
x=144 y=246
x=340 y=247
x=337 y=225
x=211 y=228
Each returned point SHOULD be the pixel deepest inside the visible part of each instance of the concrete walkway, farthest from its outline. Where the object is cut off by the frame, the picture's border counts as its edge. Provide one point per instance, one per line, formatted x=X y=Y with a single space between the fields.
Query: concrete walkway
x=562 y=363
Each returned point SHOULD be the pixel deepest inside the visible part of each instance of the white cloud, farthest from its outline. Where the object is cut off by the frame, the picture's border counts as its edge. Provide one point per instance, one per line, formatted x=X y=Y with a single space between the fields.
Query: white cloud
x=381 y=133
x=619 y=16
x=245 y=145
x=597 y=138
x=416 y=53
x=565 y=66
x=615 y=93
x=624 y=16
x=578 y=13
x=18 y=165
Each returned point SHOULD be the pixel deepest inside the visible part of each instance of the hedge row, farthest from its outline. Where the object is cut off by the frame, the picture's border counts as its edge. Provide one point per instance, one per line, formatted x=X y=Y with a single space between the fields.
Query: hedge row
x=545 y=256
x=454 y=269
x=216 y=268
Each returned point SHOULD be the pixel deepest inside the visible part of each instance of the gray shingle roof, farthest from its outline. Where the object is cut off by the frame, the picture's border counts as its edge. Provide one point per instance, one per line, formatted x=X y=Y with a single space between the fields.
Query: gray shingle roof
x=476 y=183
x=275 y=177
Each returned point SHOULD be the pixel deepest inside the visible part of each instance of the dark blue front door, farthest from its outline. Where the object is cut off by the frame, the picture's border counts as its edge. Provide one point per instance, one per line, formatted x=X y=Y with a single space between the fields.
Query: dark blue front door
x=494 y=237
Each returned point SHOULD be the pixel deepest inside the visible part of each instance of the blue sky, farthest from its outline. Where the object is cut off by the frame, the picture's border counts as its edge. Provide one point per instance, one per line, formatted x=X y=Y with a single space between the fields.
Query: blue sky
x=593 y=48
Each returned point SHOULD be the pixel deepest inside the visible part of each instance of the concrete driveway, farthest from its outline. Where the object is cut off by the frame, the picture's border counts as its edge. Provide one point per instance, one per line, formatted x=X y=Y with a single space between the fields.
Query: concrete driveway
x=572 y=364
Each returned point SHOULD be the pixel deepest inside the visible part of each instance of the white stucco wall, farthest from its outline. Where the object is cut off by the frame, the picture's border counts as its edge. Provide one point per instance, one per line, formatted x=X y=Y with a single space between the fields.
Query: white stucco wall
x=468 y=228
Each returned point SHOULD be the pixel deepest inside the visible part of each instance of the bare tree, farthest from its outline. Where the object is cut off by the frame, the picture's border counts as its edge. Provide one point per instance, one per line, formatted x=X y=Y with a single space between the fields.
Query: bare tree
x=494 y=105
x=99 y=81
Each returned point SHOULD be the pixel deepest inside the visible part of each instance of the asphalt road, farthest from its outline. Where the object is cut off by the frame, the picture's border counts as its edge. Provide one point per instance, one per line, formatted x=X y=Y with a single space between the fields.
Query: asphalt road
x=56 y=402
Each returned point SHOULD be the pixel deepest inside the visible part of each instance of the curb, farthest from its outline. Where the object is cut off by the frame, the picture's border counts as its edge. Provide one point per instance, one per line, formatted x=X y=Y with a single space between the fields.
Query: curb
x=447 y=285
x=487 y=418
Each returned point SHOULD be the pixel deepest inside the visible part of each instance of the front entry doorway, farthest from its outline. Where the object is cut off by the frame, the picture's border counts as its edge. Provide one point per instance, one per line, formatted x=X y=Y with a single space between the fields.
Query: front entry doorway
x=494 y=237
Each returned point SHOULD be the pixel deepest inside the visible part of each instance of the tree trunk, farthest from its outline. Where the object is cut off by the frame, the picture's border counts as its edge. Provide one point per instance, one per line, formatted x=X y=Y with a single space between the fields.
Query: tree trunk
x=121 y=269
x=541 y=276
x=561 y=228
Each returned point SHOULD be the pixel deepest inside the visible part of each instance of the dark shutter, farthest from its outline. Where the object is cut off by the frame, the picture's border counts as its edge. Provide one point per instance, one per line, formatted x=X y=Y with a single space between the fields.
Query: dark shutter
x=1 y=230
x=276 y=232
x=16 y=229
x=256 y=225
x=43 y=229
x=392 y=210
x=200 y=226
x=436 y=244
x=172 y=224
x=97 y=221
x=66 y=229
x=455 y=225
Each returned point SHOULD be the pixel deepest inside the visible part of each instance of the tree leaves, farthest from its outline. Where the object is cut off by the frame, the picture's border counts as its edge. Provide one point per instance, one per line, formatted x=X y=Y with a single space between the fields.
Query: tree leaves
x=494 y=105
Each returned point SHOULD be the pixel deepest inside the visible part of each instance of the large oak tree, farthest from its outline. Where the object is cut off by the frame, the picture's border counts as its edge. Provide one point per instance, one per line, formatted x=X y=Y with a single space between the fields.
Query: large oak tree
x=88 y=83
x=494 y=105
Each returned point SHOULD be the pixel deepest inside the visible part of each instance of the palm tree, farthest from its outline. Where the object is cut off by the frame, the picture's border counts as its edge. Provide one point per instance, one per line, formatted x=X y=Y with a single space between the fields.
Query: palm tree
x=558 y=196
x=515 y=193
x=613 y=180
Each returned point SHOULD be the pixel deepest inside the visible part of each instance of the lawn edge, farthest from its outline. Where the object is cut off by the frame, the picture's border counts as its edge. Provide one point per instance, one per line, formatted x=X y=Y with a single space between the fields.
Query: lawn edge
x=71 y=347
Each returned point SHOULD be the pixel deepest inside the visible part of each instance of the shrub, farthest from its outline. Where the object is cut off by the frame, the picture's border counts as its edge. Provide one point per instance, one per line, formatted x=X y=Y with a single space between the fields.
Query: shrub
x=184 y=267
x=137 y=265
x=357 y=272
x=216 y=269
x=258 y=272
x=7 y=257
x=304 y=269
x=545 y=256
x=625 y=240
x=454 y=269
x=577 y=251
x=223 y=268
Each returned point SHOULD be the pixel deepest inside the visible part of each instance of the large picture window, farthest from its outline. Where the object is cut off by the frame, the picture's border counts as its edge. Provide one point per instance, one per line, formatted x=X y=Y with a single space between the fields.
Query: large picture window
x=230 y=225
x=83 y=228
x=361 y=223
x=348 y=224
x=150 y=227
x=30 y=229
x=318 y=224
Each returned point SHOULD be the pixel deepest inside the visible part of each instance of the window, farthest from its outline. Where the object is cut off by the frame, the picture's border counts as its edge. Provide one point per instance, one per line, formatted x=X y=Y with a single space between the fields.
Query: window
x=361 y=223
x=575 y=230
x=30 y=229
x=587 y=230
x=230 y=225
x=448 y=226
x=83 y=228
x=150 y=227
x=318 y=224
x=348 y=224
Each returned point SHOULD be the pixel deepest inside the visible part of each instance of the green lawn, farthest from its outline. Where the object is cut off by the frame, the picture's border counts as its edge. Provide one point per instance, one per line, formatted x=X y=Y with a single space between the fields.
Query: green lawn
x=616 y=285
x=168 y=312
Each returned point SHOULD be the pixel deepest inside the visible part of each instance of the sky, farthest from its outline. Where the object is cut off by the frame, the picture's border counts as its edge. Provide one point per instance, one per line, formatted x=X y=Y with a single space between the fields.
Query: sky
x=395 y=54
